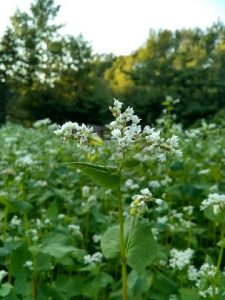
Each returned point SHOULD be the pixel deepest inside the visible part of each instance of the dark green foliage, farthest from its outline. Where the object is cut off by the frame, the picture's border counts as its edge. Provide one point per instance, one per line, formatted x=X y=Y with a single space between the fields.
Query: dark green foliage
x=44 y=74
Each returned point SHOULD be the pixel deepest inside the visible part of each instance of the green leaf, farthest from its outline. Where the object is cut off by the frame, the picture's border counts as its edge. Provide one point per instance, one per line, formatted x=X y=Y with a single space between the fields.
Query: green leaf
x=19 y=256
x=139 y=283
x=57 y=245
x=20 y=206
x=100 y=174
x=46 y=291
x=92 y=288
x=70 y=286
x=142 y=246
x=131 y=163
x=110 y=242
x=187 y=294
x=164 y=284
x=5 y=289
x=221 y=243
x=22 y=284
x=4 y=251
x=57 y=250
x=4 y=198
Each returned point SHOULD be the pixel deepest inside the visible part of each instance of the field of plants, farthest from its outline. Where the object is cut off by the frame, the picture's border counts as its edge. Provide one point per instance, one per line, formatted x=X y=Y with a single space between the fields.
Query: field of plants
x=137 y=215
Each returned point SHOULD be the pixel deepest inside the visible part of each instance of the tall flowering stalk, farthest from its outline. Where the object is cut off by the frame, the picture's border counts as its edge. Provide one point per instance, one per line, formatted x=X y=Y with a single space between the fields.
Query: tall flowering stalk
x=215 y=203
x=131 y=143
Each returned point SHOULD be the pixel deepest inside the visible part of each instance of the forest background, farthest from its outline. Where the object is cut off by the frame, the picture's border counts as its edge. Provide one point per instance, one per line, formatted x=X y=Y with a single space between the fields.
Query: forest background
x=44 y=74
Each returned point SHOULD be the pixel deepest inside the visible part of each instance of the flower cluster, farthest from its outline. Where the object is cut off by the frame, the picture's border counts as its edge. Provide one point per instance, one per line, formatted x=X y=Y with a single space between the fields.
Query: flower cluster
x=205 y=282
x=92 y=259
x=15 y=222
x=159 y=146
x=193 y=273
x=126 y=131
x=180 y=259
x=83 y=135
x=208 y=292
x=138 y=205
x=42 y=123
x=125 y=128
x=25 y=161
x=215 y=201
x=75 y=230
x=208 y=271
x=204 y=278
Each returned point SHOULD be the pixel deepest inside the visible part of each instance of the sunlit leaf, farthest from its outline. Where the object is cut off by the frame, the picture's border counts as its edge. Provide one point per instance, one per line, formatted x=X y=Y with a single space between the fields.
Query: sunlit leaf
x=105 y=177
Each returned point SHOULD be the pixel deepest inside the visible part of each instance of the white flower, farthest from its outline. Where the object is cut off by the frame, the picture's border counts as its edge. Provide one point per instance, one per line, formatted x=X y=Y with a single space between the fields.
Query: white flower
x=203 y=172
x=159 y=146
x=15 y=222
x=129 y=183
x=154 y=184
x=180 y=259
x=85 y=191
x=173 y=141
x=215 y=201
x=29 y=265
x=193 y=273
x=97 y=257
x=138 y=205
x=155 y=233
x=43 y=122
x=159 y=201
x=25 y=161
x=3 y=273
x=47 y=221
x=207 y=270
x=61 y=216
x=188 y=209
x=92 y=259
x=208 y=292
x=96 y=238
x=87 y=259
x=118 y=104
x=83 y=135
x=33 y=233
x=146 y=192
x=162 y=220
x=116 y=133
x=91 y=199
x=75 y=229
x=124 y=128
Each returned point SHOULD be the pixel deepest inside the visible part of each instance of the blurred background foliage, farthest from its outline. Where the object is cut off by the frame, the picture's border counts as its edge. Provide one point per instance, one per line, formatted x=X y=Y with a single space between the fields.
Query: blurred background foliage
x=45 y=74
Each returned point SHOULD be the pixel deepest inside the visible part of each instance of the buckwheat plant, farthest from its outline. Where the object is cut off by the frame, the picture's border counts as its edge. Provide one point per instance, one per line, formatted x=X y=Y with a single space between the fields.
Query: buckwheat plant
x=214 y=207
x=132 y=238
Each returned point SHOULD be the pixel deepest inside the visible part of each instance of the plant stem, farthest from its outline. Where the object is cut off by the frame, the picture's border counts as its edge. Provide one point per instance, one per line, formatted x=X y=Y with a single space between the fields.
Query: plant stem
x=122 y=246
x=218 y=264
x=34 y=277
x=5 y=223
x=26 y=228
x=130 y=233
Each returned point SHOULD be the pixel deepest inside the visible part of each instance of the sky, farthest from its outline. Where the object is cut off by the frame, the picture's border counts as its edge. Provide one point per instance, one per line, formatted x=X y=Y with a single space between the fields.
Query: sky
x=122 y=26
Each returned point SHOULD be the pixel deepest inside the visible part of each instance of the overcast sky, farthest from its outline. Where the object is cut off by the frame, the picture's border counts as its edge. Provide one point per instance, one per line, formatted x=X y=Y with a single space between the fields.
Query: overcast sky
x=121 y=26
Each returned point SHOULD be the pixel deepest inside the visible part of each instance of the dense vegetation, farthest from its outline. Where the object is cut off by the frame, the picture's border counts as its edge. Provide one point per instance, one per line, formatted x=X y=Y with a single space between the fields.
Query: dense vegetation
x=59 y=238
x=44 y=74
x=127 y=216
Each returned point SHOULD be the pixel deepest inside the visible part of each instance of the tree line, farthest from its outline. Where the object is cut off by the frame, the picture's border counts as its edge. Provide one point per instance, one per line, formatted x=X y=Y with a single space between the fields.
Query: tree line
x=46 y=74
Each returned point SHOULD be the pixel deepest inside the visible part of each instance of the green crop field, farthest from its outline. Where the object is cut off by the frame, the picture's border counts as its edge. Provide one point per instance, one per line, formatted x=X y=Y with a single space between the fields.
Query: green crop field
x=112 y=218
